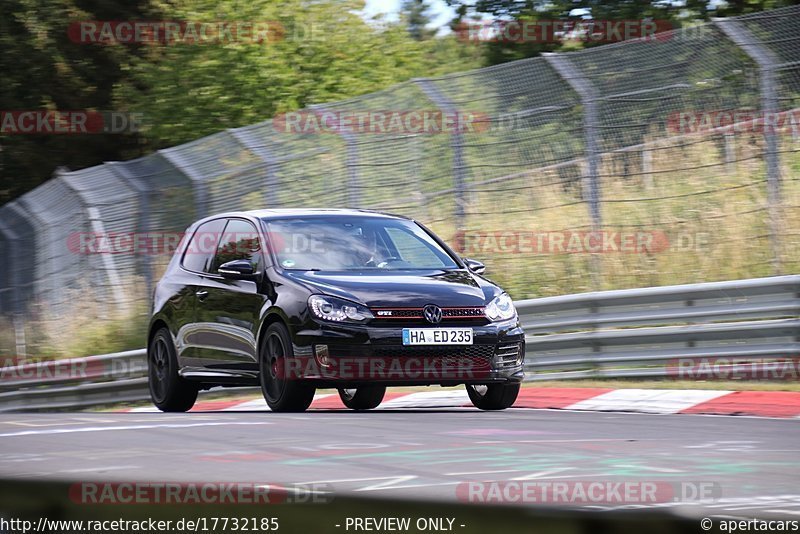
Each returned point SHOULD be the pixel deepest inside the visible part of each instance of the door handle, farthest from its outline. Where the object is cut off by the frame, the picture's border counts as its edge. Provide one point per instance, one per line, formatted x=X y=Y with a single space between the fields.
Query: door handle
x=202 y=294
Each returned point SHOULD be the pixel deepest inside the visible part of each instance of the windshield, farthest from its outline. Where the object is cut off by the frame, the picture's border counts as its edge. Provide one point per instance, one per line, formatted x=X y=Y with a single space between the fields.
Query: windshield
x=356 y=243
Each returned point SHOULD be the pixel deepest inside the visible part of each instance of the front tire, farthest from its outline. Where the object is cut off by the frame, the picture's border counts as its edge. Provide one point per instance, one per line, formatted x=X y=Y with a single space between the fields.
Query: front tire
x=493 y=396
x=363 y=398
x=282 y=395
x=168 y=390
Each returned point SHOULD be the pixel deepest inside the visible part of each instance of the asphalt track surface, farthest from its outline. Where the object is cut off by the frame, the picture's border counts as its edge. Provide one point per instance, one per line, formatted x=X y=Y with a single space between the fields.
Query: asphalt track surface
x=754 y=463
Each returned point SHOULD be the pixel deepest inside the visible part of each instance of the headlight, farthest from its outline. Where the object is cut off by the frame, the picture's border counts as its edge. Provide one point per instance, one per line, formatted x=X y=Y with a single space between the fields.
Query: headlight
x=501 y=308
x=338 y=310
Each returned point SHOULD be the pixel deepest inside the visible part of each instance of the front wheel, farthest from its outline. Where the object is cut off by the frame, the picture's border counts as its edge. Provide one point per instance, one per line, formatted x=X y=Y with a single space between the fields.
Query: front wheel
x=282 y=392
x=363 y=398
x=168 y=390
x=493 y=396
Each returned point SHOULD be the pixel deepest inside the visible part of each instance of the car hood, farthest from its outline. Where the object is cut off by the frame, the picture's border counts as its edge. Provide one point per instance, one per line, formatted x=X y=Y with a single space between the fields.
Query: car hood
x=399 y=288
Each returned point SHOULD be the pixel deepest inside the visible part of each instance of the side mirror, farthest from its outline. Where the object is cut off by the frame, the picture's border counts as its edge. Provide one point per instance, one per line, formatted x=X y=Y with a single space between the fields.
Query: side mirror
x=475 y=266
x=238 y=270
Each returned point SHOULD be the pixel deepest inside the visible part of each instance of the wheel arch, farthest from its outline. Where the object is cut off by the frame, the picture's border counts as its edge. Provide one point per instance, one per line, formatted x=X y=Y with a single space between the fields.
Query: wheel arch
x=270 y=319
x=156 y=325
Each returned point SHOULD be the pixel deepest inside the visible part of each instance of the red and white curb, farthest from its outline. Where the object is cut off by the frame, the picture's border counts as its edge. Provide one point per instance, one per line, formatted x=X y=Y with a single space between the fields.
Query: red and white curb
x=656 y=401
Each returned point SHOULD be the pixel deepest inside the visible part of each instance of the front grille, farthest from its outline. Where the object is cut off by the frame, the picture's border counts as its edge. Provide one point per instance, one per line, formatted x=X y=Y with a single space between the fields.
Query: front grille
x=412 y=316
x=466 y=351
x=397 y=313
x=462 y=312
x=508 y=355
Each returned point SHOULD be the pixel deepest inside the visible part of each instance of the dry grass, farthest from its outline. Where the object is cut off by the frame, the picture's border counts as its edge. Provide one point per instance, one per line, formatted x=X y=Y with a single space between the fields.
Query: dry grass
x=90 y=326
x=715 y=222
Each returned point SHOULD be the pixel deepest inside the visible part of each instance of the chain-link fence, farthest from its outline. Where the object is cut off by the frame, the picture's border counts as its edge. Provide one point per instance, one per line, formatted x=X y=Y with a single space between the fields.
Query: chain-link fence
x=667 y=160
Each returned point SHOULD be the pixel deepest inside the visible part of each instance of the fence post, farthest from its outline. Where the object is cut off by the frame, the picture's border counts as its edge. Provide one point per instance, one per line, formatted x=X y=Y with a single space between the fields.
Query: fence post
x=457 y=145
x=351 y=159
x=143 y=190
x=98 y=227
x=14 y=289
x=766 y=61
x=588 y=95
x=417 y=158
x=262 y=153
x=647 y=167
x=730 y=153
x=199 y=186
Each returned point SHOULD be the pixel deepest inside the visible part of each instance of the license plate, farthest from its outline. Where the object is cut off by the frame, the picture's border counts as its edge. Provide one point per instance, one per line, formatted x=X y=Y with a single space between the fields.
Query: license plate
x=437 y=336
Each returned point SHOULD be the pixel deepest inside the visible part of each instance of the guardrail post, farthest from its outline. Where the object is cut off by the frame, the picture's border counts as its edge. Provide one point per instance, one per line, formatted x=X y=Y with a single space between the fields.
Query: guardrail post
x=457 y=145
x=262 y=153
x=766 y=61
x=588 y=95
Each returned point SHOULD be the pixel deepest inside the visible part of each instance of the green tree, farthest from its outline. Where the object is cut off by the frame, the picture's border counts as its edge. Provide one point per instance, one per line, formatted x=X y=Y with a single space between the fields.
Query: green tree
x=43 y=69
x=327 y=52
x=323 y=51
x=674 y=15
x=416 y=14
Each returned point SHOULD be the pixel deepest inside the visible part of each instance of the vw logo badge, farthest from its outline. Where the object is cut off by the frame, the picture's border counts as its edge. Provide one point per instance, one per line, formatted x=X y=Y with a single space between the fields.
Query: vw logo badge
x=432 y=313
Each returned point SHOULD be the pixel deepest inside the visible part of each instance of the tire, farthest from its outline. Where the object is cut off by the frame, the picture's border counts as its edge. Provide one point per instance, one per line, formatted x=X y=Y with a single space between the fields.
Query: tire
x=281 y=395
x=494 y=396
x=168 y=390
x=363 y=398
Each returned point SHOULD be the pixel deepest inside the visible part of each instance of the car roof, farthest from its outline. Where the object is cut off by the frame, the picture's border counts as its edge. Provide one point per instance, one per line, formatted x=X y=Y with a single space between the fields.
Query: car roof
x=280 y=213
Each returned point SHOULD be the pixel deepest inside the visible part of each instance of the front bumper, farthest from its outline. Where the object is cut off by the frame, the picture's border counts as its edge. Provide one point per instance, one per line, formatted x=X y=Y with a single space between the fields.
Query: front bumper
x=337 y=355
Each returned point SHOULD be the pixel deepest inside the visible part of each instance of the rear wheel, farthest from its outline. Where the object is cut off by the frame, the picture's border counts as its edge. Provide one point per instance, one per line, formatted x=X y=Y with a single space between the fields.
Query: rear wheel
x=363 y=398
x=493 y=396
x=282 y=395
x=168 y=390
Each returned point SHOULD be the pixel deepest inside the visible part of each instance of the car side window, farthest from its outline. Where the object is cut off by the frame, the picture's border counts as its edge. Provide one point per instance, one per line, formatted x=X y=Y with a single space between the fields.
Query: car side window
x=239 y=242
x=202 y=247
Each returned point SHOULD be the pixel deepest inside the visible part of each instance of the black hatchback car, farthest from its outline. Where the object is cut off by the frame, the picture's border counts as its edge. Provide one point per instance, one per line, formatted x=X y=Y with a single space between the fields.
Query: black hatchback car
x=295 y=300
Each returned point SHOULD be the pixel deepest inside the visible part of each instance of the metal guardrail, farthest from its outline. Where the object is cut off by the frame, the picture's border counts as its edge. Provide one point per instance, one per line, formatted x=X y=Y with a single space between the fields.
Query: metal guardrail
x=75 y=382
x=648 y=332
x=607 y=334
